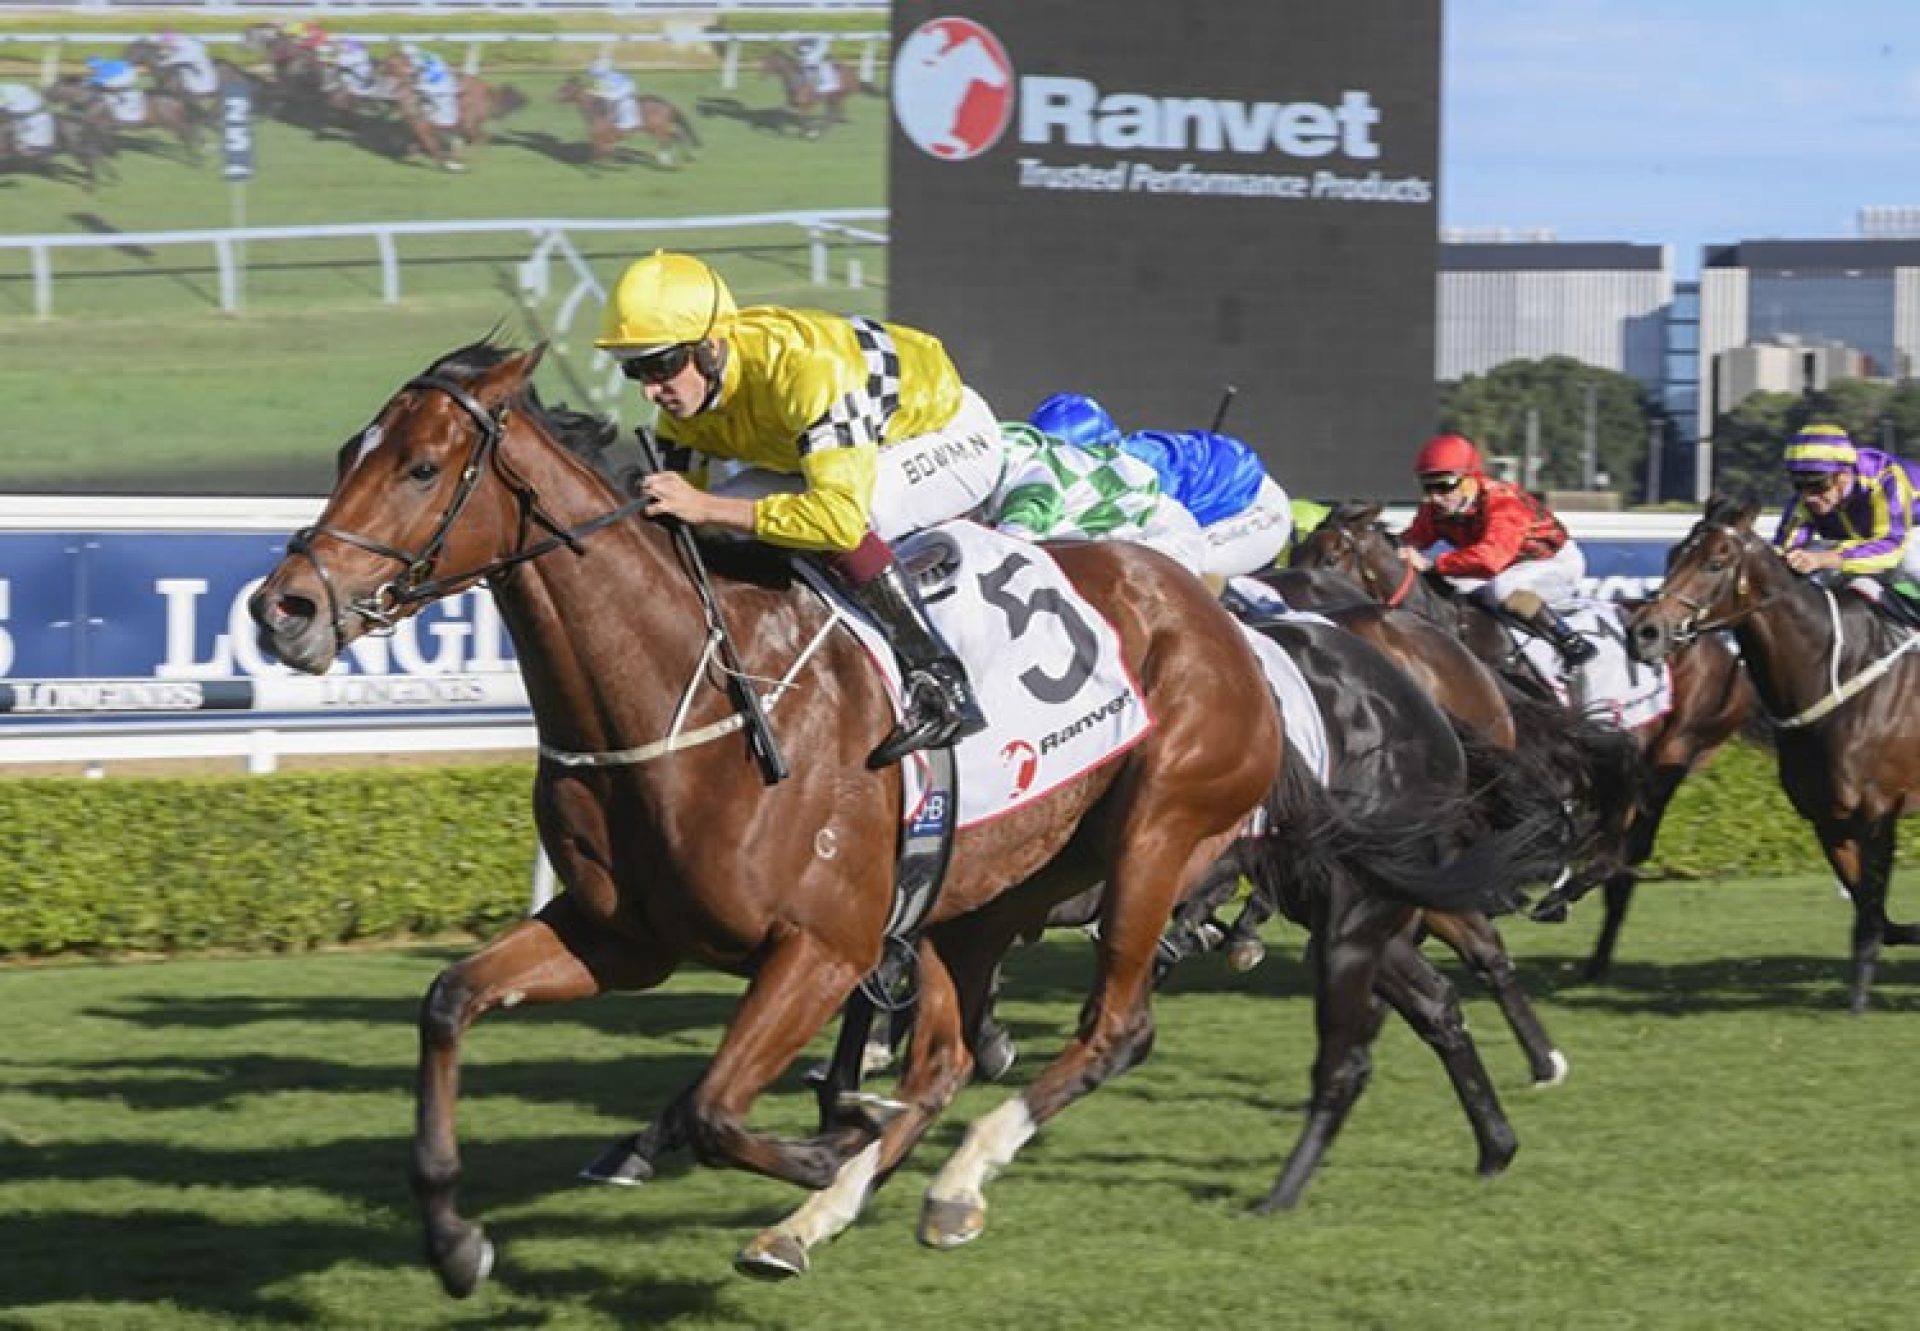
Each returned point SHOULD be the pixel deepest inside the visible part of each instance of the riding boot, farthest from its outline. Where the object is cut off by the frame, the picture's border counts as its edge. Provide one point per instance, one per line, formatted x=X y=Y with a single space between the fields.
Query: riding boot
x=1574 y=649
x=937 y=698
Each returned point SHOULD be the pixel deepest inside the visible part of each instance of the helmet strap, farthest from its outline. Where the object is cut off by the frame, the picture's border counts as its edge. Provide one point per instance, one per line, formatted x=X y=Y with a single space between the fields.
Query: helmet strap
x=709 y=357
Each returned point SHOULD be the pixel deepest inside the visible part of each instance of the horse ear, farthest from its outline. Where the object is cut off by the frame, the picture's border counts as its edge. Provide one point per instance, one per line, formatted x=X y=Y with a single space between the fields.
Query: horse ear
x=1369 y=514
x=510 y=377
x=1748 y=511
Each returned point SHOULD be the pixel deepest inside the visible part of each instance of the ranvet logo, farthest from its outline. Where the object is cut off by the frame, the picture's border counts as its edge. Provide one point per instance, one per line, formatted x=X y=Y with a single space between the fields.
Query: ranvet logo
x=952 y=88
x=1024 y=761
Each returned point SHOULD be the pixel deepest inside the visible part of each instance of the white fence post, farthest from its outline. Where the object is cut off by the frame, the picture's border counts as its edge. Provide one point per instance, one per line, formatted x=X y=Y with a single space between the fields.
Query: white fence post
x=730 y=66
x=869 y=62
x=817 y=245
x=389 y=268
x=545 y=881
x=229 y=288
x=42 y=282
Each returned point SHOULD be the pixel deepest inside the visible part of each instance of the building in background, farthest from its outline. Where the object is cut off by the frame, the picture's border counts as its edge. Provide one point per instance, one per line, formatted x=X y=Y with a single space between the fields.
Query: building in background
x=1811 y=296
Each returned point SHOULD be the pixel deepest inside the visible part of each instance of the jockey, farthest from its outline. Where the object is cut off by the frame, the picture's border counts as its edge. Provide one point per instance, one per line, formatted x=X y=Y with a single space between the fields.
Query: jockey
x=1052 y=489
x=189 y=56
x=1507 y=548
x=118 y=82
x=814 y=55
x=1242 y=511
x=1863 y=502
x=858 y=432
x=607 y=83
x=430 y=72
x=353 y=66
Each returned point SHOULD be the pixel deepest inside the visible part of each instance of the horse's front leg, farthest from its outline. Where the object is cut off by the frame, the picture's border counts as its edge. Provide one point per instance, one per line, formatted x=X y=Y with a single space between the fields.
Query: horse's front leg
x=553 y=958
x=792 y=996
x=1861 y=855
x=937 y=1066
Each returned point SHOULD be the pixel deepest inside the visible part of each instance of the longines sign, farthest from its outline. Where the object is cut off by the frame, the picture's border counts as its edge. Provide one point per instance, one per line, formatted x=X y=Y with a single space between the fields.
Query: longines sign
x=1147 y=202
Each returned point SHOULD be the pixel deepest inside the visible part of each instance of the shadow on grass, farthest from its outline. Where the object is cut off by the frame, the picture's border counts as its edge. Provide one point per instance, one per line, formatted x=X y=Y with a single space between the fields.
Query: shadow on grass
x=191 y=1260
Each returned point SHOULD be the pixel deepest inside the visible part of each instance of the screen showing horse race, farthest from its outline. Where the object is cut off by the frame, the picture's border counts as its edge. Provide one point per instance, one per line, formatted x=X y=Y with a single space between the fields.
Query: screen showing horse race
x=1151 y=202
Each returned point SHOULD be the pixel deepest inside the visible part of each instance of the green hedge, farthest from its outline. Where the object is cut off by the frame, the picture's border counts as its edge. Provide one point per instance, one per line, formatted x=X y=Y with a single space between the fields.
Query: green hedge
x=262 y=864
x=299 y=861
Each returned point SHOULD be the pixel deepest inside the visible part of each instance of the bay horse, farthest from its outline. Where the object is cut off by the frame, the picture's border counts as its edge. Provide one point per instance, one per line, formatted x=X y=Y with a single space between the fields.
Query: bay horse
x=77 y=134
x=171 y=81
x=1712 y=699
x=672 y=852
x=1843 y=687
x=476 y=102
x=660 y=120
x=811 y=109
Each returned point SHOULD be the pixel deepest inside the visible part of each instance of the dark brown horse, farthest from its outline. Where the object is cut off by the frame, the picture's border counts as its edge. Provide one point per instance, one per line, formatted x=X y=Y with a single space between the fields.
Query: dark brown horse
x=660 y=120
x=170 y=80
x=811 y=109
x=80 y=132
x=1712 y=698
x=1843 y=687
x=688 y=857
x=162 y=111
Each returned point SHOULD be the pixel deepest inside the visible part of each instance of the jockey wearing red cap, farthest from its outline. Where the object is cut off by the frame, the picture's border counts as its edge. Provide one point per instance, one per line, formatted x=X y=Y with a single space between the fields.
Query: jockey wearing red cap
x=1506 y=545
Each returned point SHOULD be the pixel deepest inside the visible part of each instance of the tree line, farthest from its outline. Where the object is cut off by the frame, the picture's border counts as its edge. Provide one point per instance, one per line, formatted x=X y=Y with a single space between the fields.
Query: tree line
x=1571 y=403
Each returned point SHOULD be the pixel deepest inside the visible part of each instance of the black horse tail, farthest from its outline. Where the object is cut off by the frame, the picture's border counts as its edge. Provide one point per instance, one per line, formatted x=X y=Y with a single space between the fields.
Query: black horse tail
x=1597 y=771
x=1473 y=849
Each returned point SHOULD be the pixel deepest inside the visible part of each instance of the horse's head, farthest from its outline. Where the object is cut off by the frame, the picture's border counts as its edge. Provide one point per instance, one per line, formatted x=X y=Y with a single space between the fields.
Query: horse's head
x=1349 y=540
x=1709 y=582
x=143 y=51
x=421 y=507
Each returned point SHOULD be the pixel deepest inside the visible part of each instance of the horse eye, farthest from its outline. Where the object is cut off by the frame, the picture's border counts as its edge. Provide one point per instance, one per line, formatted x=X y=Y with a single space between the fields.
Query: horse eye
x=424 y=471
x=1716 y=565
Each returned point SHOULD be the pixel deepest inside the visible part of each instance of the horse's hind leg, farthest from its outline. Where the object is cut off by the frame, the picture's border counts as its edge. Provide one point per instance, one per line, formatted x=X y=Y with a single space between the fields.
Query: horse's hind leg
x=1862 y=855
x=937 y=1067
x=1115 y=1030
x=1422 y=995
x=550 y=959
x=1479 y=945
x=1346 y=956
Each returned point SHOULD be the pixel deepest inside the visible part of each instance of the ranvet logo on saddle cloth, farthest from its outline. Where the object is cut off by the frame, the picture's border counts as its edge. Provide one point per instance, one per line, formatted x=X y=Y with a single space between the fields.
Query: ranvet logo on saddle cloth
x=1612 y=688
x=1045 y=664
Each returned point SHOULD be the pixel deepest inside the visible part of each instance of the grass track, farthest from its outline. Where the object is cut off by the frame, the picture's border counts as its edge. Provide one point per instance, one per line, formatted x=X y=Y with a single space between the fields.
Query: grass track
x=220 y=1143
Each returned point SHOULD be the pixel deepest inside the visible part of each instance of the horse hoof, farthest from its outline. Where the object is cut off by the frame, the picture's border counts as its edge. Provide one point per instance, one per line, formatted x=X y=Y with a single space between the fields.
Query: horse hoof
x=622 y=1164
x=1245 y=955
x=467 y=1263
x=772 y=1256
x=995 y=1057
x=1559 y=1068
x=1549 y=911
x=945 y=1224
x=1495 y=1159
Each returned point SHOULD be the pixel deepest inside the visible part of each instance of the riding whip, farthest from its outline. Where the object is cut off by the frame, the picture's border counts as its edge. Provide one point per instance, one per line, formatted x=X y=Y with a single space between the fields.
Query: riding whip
x=1220 y=412
x=766 y=749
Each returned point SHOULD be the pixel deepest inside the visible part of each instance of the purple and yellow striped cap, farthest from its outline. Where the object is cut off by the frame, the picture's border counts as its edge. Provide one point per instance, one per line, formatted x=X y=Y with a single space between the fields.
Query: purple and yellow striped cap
x=1822 y=447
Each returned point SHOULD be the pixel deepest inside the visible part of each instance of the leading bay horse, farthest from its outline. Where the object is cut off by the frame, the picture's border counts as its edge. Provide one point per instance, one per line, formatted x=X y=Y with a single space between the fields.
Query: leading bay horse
x=671 y=850
x=812 y=109
x=1843 y=687
x=659 y=120
x=1712 y=698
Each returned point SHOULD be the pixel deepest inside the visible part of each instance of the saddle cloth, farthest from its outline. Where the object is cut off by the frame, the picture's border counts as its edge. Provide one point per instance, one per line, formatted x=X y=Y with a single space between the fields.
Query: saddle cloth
x=1045 y=665
x=442 y=103
x=1299 y=712
x=1612 y=688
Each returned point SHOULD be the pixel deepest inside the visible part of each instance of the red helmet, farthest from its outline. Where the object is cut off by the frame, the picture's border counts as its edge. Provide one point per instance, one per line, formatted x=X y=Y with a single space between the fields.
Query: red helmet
x=1450 y=453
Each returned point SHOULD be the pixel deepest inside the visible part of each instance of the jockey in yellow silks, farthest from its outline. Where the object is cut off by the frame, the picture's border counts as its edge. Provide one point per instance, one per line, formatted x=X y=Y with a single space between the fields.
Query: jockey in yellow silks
x=854 y=432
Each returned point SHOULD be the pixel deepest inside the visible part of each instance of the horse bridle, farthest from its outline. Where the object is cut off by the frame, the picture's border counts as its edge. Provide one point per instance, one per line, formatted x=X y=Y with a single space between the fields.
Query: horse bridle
x=416 y=585
x=1690 y=628
x=1392 y=600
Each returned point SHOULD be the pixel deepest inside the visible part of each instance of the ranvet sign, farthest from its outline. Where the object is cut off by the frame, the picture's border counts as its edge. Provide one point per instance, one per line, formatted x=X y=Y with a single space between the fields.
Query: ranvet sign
x=1147 y=202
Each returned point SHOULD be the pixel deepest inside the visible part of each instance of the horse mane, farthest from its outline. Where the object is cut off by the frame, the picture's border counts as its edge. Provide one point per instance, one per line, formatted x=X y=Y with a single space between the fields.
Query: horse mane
x=1347 y=512
x=590 y=437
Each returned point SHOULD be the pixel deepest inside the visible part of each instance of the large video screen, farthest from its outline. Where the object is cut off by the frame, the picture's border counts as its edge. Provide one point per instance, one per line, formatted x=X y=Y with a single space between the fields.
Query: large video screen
x=1152 y=202
x=225 y=242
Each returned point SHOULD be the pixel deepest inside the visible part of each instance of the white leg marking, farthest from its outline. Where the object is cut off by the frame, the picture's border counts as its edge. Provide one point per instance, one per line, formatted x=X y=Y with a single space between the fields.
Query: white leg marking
x=990 y=1145
x=830 y=1210
x=1560 y=1070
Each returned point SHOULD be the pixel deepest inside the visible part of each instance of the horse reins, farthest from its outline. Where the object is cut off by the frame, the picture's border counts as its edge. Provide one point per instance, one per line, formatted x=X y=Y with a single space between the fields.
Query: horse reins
x=1367 y=575
x=416 y=583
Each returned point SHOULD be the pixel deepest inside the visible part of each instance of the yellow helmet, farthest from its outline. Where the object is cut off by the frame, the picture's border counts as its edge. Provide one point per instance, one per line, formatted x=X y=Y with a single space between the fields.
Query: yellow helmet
x=664 y=300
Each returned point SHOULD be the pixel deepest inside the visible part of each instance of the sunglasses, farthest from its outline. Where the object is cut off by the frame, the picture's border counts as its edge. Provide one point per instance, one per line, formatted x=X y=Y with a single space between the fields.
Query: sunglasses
x=1813 y=485
x=659 y=367
x=1440 y=485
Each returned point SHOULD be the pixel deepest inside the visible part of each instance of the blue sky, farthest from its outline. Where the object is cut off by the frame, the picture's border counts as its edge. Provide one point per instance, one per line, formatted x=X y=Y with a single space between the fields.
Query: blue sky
x=1684 y=122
